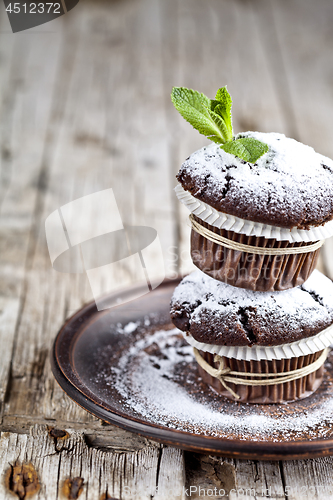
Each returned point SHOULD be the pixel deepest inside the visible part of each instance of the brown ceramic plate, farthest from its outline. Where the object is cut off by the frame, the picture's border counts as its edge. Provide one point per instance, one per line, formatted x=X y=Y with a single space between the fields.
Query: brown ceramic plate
x=128 y=366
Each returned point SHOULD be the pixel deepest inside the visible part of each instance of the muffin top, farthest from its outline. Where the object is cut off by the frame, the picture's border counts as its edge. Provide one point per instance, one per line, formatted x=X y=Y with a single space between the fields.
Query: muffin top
x=290 y=186
x=216 y=313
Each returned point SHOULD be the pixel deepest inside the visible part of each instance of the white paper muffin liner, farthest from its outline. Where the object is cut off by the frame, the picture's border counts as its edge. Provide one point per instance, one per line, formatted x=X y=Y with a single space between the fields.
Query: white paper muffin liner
x=302 y=347
x=229 y=222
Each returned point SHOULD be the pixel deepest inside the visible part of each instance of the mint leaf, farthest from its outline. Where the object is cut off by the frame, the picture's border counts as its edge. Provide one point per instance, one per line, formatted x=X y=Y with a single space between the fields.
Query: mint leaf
x=222 y=105
x=196 y=109
x=218 y=120
x=247 y=148
x=212 y=118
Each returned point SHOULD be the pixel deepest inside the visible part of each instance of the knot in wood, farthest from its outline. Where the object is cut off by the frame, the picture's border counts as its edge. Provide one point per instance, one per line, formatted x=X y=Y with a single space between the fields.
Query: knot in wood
x=22 y=480
x=72 y=488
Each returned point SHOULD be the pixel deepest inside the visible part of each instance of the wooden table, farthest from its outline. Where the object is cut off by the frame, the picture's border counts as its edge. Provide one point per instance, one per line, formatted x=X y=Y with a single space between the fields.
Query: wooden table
x=85 y=106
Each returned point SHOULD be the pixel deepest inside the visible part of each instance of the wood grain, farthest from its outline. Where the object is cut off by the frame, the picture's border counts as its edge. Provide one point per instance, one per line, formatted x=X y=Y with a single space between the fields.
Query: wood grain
x=137 y=474
x=85 y=105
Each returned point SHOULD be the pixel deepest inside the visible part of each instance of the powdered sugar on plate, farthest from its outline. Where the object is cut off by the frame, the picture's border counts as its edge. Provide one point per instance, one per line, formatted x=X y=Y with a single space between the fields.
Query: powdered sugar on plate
x=158 y=380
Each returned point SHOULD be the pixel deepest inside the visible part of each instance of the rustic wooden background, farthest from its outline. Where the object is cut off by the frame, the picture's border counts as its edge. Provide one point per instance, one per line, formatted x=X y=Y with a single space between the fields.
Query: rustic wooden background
x=84 y=105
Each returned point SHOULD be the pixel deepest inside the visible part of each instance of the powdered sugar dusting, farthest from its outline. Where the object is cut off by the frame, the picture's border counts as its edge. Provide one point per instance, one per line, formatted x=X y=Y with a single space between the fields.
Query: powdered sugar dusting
x=272 y=316
x=157 y=377
x=289 y=186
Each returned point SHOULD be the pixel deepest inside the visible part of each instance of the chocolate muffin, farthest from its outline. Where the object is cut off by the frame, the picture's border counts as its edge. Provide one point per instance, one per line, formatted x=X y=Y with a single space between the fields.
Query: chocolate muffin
x=258 y=225
x=289 y=186
x=253 y=333
x=217 y=313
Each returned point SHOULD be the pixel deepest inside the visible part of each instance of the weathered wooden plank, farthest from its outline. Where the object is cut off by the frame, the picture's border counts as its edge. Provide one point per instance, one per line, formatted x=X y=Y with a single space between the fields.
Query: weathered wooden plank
x=210 y=476
x=121 y=476
x=170 y=480
x=29 y=83
x=106 y=114
x=7 y=65
x=8 y=317
x=30 y=356
x=304 y=37
x=257 y=479
x=50 y=296
x=308 y=479
x=25 y=449
x=97 y=434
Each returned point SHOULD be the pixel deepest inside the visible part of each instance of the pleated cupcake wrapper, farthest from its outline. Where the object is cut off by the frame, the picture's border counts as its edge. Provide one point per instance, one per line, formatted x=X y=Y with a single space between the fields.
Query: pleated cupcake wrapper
x=266 y=394
x=225 y=221
x=246 y=270
x=302 y=347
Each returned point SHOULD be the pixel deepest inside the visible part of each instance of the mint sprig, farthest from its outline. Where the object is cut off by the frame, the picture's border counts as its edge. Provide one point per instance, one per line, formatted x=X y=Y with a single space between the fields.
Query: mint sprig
x=197 y=110
x=212 y=118
x=247 y=148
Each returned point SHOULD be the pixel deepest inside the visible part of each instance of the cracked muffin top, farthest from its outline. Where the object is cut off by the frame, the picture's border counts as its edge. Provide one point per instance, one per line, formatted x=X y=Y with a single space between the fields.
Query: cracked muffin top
x=290 y=186
x=216 y=313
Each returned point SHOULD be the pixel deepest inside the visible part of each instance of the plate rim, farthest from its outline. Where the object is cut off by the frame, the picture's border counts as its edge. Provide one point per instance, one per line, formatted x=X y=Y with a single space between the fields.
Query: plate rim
x=233 y=448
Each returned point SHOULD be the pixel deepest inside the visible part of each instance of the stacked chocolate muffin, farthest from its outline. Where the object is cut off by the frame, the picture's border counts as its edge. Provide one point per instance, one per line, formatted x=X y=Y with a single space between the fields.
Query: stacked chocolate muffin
x=258 y=316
